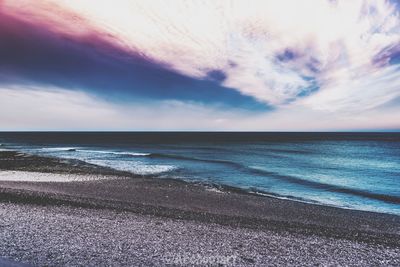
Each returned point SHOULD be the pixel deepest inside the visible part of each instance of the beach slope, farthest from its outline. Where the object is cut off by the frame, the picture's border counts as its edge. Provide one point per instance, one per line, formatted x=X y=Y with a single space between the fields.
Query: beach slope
x=66 y=212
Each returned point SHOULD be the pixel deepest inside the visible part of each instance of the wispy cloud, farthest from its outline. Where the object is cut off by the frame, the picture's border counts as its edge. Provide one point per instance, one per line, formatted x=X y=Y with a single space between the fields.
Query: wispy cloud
x=52 y=108
x=325 y=42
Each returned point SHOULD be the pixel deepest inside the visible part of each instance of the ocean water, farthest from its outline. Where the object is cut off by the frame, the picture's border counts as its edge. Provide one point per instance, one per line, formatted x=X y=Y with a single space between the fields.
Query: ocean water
x=349 y=170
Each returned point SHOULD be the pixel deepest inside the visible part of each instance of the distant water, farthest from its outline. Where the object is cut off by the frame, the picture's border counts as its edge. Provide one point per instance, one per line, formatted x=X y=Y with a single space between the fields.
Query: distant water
x=349 y=170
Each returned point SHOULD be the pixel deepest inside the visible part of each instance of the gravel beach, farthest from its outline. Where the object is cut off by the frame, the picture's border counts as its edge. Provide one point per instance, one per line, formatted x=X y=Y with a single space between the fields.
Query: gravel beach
x=65 y=236
x=91 y=216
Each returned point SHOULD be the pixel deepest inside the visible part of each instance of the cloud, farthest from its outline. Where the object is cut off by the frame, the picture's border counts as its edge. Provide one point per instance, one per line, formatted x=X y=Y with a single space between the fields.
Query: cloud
x=30 y=108
x=295 y=64
x=52 y=108
x=325 y=42
x=35 y=51
x=360 y=94
x=33 y=108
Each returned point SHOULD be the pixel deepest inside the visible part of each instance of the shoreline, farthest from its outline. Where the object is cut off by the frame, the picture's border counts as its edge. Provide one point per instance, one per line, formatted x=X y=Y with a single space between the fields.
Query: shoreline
x=103 y=191
x=95 y=186
x=54 y=165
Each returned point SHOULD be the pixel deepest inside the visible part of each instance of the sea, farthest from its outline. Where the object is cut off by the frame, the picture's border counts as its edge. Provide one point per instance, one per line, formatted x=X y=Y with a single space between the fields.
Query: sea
x=358 y=171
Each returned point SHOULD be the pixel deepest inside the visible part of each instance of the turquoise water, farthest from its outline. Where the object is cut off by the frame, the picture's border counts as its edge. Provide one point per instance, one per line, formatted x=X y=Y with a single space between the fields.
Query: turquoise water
x=348 y=170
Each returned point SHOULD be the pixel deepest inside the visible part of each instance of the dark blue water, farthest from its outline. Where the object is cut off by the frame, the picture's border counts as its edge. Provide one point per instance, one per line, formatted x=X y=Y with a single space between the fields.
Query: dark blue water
x=349 y=170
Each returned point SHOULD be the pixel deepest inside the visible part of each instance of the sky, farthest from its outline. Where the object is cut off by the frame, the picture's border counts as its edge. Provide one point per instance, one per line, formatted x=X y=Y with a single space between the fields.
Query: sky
x=207 y=65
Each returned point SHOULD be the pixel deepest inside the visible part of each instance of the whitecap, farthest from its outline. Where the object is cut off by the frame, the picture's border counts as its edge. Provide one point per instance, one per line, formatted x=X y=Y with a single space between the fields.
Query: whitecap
x=135 y=154
x=133 y=167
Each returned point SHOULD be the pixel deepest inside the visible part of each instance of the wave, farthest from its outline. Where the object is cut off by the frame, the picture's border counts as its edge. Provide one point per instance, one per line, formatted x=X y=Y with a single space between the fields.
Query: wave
x=133 y=154
x=73 y=149
x=281 y=196
x=289 y=151
x=133 y=167
x=3 y=147
x=60 y=149
x=328 y=187
x=158 y=169
x=288 y=178
x=179 y=157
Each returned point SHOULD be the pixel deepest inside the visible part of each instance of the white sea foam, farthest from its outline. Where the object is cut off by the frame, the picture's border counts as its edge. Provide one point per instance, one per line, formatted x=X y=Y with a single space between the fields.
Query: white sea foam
x=131 y=154
x=134 y=167
x=135 y=154
x=74 y=149
x=3 y=148
x=215 y=190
